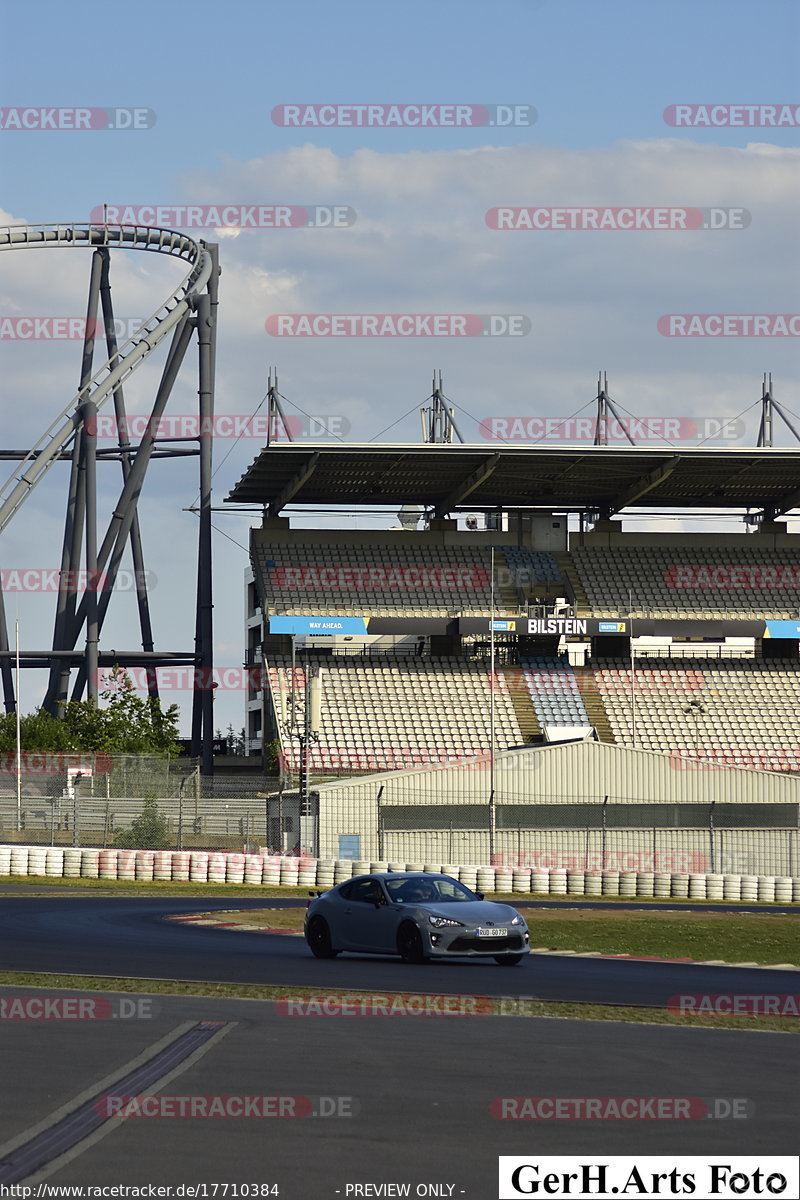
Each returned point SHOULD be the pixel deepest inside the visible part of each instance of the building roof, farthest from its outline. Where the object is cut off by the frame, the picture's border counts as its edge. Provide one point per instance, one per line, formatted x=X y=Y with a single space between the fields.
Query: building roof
x=449 y=478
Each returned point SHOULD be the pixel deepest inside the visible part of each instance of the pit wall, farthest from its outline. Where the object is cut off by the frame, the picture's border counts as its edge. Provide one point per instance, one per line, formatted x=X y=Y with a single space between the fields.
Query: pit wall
x=147 y=866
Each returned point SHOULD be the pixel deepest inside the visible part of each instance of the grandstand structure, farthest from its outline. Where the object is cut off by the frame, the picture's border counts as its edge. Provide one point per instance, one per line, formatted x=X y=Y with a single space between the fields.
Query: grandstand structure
x=445 y=644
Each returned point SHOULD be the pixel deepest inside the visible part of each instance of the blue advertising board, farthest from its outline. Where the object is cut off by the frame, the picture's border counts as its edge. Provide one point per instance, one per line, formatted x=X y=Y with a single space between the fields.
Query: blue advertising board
x=318 y=626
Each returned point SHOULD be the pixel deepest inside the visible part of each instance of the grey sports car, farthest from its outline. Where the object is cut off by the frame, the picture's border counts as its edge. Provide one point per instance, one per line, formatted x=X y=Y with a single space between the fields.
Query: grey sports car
x=416 y=916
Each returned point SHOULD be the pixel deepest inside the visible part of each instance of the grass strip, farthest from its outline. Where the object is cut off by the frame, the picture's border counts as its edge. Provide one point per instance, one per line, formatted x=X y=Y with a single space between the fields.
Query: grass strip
x=731 y=938
x=522 y=1007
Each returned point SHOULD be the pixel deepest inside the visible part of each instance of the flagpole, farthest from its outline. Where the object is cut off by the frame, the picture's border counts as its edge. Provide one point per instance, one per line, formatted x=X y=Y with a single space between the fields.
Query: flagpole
x=19 y=739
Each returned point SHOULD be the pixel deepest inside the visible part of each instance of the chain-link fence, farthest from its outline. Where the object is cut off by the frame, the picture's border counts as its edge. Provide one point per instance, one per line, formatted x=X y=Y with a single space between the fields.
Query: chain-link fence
x=585 y=835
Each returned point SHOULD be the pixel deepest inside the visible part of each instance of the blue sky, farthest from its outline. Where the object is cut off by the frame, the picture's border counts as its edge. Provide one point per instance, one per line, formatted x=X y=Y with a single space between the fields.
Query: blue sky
x=599 y=75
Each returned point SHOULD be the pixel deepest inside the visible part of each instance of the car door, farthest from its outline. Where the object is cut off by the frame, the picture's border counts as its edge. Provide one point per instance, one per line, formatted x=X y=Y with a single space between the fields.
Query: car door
x=368 y=925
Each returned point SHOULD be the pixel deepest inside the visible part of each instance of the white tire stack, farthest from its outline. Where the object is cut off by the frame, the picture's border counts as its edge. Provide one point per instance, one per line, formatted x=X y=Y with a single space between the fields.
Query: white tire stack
x=198 y=870
x=783 y=889
x=272 y=871
x=731 y=887
x=749 y=888
x=521 y=880
x=253 y=868
x=610 y=883
x=414 y=867
x=126 y=864
x=662 y=885
x=5 y=860
x=84 y=863
x=540 y=882
x=342 y=870
x=576 y=883
x=627 y=883
x=558 y=882
x=766 y=887
x=108 y=864
x=680 y=886
x=37 y=860
x=19 y=860
x=715 y=887
x=697 y=887
x=593 y=884
x=162 y=866
x=54 y=864
x=645 y=883
x=326 y=871
x=397 y=866
x=290 y=869
x=486 y=879
x=217 y=867
x=503 y=880
x=361 y=866
x=307 y=872
x=181 y=865
x=795 y=889
x=234 y=868
x=378 y=868
x=145 y=865
x=469 y=877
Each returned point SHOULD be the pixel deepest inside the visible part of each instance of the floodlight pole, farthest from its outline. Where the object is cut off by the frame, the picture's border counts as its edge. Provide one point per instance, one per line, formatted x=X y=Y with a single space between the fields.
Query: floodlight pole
x=492 y=806
x=19 y=737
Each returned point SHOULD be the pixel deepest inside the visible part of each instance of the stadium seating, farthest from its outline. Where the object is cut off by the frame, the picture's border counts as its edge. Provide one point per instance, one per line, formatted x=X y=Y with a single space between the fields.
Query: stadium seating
x=554 y=691
x=734 y=712
x=388 y=713
x=369 y=579
x=710 y=581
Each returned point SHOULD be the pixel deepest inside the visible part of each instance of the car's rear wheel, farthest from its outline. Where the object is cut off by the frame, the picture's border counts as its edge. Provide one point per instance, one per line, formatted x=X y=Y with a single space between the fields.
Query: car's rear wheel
x=508 y=960
x=318 y=936
x=409 y=943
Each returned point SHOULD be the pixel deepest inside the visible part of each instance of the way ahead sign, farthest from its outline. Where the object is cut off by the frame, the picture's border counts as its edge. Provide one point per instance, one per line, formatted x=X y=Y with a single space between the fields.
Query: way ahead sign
x=318 y=626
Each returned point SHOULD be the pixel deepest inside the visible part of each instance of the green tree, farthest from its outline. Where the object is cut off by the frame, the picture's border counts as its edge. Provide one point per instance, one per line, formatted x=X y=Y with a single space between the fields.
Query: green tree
x=125 y=724
x=150 y=831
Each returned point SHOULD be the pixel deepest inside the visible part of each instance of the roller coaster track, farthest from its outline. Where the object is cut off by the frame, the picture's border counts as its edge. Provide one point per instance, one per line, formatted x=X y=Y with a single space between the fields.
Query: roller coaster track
x=127 y=357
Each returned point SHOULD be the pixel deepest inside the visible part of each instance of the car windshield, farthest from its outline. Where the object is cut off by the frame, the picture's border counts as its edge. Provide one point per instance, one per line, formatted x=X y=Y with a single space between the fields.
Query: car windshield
x=427 y=889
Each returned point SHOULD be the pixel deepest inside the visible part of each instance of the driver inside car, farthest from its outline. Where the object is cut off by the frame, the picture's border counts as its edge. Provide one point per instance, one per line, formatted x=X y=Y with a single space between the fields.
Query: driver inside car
x=419 y=891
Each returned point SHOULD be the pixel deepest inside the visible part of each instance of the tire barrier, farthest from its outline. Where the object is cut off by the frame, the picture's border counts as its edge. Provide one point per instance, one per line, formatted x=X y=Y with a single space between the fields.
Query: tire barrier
x=145 y=865
x=227 y=867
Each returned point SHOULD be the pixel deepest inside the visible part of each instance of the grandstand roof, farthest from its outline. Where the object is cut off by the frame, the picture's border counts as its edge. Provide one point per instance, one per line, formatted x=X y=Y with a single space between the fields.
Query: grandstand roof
x=447 y=478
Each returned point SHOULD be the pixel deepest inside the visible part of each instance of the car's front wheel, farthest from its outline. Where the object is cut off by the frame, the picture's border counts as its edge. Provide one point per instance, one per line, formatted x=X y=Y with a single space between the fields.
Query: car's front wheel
x=318 y=936
x=508 y=960
x=409 y=943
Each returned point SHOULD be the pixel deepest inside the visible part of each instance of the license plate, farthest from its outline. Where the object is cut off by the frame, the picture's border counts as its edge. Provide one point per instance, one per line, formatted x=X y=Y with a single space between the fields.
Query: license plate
x=490 y=932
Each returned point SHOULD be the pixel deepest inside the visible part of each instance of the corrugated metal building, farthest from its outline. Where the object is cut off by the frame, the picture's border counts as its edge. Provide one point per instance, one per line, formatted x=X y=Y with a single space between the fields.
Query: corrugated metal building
x=586 y=804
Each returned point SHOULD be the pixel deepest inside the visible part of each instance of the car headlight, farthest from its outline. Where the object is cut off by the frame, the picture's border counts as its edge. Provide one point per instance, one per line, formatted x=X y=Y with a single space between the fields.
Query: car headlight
x=441 y=922
x=517 y=919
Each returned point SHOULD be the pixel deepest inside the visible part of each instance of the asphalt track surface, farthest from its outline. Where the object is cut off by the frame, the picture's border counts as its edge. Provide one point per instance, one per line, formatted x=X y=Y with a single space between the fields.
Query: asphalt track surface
x=408 y=1101
x=128 y=937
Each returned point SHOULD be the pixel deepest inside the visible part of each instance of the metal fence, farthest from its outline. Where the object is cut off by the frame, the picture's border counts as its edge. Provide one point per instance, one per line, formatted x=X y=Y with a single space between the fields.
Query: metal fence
x=604 y=834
